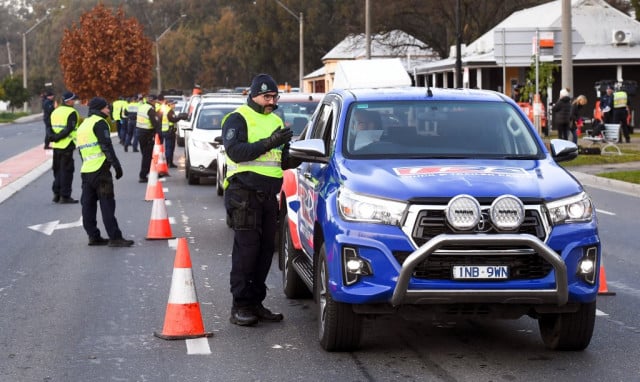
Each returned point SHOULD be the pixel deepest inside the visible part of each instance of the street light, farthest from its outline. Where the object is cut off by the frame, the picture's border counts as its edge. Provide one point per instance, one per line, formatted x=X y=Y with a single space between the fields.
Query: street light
x=158 y=51
x=24 y=53
x=300 y=19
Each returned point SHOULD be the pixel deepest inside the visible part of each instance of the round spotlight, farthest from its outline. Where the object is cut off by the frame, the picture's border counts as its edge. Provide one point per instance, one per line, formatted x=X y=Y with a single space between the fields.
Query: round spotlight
x=463 y=212
x=507 y=213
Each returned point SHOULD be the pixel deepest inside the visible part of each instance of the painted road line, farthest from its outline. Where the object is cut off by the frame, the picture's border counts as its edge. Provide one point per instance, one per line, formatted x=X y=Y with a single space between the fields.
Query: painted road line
x=198 y=346
x=605 y=212
x=600 y=313
x=49 y=227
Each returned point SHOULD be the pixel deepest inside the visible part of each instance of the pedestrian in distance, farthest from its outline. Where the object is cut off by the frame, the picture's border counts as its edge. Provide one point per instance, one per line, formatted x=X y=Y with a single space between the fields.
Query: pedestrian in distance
x=147 y=126
x=606 y=105
x=48 y=105
x=98 y=157
x=65 y=120
x=561 y=114
x=257 y=150
x=576 y=116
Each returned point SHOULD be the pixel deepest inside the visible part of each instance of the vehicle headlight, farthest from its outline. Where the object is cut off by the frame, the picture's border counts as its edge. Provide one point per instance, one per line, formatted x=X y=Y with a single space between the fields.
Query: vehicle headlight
x=361 y=208
x=578 y=208
x=201 y=145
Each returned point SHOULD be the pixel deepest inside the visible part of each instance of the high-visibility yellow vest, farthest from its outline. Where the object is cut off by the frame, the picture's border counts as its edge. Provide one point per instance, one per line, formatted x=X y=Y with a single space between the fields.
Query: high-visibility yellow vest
x=59 y=118
x=259 y=126
x=619 y=99
x=164 y=109
x=118 y=106
x=132 y=107
x=90 y=150
x=142 y=120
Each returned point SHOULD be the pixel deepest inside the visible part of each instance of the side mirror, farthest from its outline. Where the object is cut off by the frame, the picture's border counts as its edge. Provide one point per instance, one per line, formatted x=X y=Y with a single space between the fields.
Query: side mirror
x=309 y=150
x=563 y=150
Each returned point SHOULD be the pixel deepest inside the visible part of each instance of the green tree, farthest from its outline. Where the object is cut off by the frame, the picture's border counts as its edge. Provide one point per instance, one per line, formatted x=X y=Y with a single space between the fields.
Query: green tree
x=545 y=79
x=106 y=54
x=13 y=92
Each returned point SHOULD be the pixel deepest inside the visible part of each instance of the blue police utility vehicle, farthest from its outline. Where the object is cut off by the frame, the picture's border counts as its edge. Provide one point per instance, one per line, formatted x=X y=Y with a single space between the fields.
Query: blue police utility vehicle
x=442 y=202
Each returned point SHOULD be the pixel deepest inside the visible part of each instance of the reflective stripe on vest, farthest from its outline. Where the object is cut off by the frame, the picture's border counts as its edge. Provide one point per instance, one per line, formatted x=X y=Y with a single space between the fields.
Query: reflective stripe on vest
x=259 y=126
x=142 y=120
x=619 y=100
x=59 y=119
x=88 y=146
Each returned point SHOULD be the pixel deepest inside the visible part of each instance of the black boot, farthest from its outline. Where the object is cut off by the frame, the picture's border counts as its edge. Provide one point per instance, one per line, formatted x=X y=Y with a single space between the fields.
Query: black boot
x=265 y=314
x=243 y=316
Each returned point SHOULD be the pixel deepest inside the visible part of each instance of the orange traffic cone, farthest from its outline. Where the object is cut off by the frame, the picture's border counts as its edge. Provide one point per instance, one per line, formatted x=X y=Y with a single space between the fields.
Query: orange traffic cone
x=183 y=318
x=161 y=164
x=159 y=226
x=156 y=150
x=154 y=186
x=603 y=290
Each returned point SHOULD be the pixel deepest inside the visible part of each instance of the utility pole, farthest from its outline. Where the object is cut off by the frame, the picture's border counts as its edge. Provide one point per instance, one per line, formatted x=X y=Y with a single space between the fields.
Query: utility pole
x=458 y=46
x=567 y=47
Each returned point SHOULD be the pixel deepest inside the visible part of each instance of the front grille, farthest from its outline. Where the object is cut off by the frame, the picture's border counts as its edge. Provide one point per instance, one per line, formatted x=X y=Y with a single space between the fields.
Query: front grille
x=439 y=267
x=432 y=222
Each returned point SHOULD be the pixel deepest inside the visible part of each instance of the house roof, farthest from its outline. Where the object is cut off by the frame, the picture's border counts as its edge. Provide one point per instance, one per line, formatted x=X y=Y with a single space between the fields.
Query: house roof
x=592 y=20
x=395 y=43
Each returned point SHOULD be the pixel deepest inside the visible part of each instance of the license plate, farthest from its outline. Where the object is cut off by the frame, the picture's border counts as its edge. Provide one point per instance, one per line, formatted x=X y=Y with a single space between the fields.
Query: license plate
x=476 y=272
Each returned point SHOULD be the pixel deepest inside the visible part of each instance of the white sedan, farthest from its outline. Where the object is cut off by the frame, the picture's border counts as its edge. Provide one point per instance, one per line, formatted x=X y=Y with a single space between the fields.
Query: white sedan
x=201 y=151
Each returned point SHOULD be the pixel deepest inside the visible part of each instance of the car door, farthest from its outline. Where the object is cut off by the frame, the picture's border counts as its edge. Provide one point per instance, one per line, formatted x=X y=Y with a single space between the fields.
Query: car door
x=311 y=176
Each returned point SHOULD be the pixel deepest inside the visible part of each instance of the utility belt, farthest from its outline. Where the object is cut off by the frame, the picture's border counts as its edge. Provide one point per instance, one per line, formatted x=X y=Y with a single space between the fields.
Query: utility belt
x=241 y=215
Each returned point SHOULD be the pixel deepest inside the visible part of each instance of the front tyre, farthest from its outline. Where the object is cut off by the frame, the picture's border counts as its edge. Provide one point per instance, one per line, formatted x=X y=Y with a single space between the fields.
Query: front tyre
x=339 y=328
x=568 y=331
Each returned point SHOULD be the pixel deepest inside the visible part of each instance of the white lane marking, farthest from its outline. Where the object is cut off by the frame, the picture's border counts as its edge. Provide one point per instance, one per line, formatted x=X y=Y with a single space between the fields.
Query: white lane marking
x=167 y=202
x=49 y=227
x=172 y=220
x=172 y=243
x=605 y=212
x=601 y=313
x=198 y=346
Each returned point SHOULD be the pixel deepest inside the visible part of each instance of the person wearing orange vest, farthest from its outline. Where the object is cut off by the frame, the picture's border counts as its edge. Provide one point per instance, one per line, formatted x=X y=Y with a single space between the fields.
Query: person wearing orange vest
x=257 y=147
x=64 y=121
x=98 y=157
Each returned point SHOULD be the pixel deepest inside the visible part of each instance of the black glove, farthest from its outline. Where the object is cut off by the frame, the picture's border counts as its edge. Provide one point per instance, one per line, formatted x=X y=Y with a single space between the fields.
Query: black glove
x=278 y=137
x=118 y=172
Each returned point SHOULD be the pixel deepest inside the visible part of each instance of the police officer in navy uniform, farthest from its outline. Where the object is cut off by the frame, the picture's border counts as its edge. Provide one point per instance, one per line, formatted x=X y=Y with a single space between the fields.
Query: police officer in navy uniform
x=148 y=124
x=256 y=146
x=98 y=157
x=64 y=121
x=48 y=105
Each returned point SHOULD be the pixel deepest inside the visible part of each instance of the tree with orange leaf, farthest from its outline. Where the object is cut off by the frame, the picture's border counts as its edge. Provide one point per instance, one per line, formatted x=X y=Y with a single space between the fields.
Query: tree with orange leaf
x=106 y=55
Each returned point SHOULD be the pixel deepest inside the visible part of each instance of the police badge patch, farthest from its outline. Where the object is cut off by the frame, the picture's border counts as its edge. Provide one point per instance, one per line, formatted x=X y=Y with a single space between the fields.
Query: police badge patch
x=264 y=87
x=231 y=133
